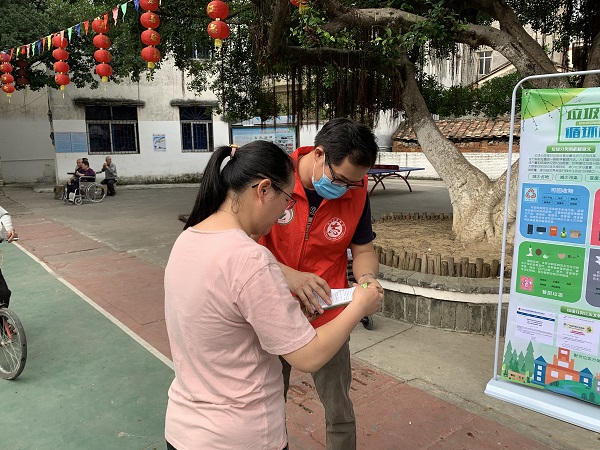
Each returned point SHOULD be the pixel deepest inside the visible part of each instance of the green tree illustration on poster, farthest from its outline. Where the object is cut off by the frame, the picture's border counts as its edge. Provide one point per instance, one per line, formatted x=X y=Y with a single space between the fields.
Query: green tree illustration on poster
x=529 y=358
x=508 y=354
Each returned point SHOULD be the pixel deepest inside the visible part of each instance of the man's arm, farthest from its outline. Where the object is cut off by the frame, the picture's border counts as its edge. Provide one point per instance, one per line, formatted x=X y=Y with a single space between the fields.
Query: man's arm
x=365 y=265
x=304 y=285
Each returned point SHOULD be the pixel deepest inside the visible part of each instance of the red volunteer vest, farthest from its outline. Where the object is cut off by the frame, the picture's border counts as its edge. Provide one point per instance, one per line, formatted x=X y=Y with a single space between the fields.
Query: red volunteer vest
x=322 y=248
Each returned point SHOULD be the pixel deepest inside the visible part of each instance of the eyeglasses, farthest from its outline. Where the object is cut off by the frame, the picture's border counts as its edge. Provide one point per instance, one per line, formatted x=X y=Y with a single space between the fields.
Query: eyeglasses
x=339 y=182
x=291 y=202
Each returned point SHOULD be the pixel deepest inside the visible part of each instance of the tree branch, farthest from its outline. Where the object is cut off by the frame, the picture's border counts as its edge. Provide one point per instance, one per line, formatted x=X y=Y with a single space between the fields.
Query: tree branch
x=512 y=41
x=281 y=16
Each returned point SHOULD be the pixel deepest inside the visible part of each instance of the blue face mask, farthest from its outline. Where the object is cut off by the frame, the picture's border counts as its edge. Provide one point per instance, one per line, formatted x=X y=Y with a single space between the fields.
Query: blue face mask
x=325 y=187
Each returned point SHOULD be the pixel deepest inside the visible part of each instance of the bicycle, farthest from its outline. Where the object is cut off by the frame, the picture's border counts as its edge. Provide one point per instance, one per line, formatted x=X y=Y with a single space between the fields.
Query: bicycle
x=13 y=343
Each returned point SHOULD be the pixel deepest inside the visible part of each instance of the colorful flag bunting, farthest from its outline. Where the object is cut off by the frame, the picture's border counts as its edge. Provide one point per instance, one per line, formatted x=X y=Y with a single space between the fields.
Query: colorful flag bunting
x=39 y=46
x=48 y=40
x=124 y=9
x=28 y=49
x=69 y=32
x=78 y=29
x=86 y=26
x=105 y=18
x=136 y=3
x=115 y=14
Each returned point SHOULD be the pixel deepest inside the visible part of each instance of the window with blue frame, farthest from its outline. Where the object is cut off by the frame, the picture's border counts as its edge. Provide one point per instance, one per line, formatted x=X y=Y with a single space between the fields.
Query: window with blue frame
x=196 y=128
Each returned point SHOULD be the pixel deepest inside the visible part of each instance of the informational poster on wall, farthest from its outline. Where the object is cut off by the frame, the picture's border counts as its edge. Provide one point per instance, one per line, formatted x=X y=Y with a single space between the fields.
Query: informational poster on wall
x=553 y=328
x=70 y=142
x=283 y=136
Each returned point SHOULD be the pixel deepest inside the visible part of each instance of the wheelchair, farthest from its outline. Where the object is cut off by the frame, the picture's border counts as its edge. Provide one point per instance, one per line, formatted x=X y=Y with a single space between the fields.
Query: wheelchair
x=88 y=190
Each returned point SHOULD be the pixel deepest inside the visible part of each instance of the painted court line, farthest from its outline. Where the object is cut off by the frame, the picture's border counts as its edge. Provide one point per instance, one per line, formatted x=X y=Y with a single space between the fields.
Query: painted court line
x=98 y=308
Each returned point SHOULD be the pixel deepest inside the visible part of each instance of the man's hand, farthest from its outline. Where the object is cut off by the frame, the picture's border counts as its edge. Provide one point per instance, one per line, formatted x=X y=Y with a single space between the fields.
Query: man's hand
x=304 y=285
x=11 y=235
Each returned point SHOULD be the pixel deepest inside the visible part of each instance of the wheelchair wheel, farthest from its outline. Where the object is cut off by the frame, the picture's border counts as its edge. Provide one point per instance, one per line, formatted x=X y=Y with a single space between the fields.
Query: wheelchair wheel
x=78 y=200
x=13 y=345
x=95 y=192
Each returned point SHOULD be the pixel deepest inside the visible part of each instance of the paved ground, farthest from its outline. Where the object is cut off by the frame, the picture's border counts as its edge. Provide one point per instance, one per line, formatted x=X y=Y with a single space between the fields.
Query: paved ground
x=414 y=387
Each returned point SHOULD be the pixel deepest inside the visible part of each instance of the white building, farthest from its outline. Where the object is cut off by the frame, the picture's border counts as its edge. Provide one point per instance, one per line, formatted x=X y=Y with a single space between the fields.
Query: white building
x=155 y=131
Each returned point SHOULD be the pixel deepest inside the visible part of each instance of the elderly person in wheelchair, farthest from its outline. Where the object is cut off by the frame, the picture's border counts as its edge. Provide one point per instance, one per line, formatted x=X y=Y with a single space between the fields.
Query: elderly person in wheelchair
x=85 y=173
x=85 y=187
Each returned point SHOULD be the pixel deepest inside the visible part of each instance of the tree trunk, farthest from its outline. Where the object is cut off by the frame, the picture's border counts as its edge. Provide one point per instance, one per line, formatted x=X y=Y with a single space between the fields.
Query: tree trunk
x=477 y=202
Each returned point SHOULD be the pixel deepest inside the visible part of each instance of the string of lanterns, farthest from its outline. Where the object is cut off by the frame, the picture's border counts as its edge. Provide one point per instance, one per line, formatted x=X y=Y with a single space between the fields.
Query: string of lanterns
x=60 y=66
x=22 y=79
x=217 y=29
x=150 y=37
x=7 y=79
x=102 y=42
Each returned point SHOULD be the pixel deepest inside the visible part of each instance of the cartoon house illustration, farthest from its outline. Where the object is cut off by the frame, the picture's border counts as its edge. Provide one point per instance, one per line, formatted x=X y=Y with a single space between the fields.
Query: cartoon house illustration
x=539 y=371
x=586 y=377
x=562 y=368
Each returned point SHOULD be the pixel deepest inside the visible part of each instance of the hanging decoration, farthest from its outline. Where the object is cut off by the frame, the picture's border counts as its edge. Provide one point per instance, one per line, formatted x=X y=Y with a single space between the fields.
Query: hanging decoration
x=7 y=79
x=60 y=66
x=102 y=55
x=217 y=29
x=22 y=79
x=150 y=37
x=302 y=5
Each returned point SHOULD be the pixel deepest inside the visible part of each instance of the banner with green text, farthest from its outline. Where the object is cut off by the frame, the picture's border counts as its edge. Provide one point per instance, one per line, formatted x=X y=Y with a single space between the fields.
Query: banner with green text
x=553 y=327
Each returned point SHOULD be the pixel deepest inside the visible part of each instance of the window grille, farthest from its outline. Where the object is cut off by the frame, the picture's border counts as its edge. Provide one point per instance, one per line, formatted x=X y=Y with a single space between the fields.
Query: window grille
x=196 y=128
x=112 y=129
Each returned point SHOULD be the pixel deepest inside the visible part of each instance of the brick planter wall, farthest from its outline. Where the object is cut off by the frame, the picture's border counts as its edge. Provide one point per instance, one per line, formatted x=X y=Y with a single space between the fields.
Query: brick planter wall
x=465 y=305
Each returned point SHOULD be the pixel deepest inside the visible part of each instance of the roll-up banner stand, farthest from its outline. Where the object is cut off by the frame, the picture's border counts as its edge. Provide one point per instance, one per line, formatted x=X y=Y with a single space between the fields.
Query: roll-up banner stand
x=551 y=358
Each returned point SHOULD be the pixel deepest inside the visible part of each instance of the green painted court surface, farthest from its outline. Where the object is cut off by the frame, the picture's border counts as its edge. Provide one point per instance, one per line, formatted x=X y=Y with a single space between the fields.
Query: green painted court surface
x=87 y=384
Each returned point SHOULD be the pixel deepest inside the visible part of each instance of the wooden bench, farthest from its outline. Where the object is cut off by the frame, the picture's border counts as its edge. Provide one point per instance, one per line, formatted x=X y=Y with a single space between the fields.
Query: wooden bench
x=380 y=172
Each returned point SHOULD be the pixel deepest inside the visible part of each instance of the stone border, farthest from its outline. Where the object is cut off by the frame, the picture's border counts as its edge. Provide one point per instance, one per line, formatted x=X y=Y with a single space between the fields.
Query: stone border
x=458 y=304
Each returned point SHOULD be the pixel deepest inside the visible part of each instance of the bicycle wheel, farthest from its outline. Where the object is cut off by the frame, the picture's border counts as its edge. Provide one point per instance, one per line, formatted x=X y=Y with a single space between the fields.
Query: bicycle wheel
x=13 y=345
x=95 y=192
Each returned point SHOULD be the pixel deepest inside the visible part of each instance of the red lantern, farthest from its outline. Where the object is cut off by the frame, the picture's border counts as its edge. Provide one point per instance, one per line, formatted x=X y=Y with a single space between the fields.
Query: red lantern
x=8 y=88
x=5 y=57
x=100 y=26
x=102 y=56
x=218 y=30
x=104 y=71
x=7 y=78
x=149 y=5
x=302 y=5
x=61 y=67
x=150 y=37
x=151 y=55
x=60 y=54
x=6 y=67
x=22 y=72
x=59 y=42
x=21 y=63
x=22 y=81
x=217 y=9
x=62 y=79
x=101 y=41
x=149 y=20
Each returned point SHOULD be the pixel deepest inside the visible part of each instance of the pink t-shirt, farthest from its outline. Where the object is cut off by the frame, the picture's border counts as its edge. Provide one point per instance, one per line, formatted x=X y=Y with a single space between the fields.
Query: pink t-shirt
x=229 y=313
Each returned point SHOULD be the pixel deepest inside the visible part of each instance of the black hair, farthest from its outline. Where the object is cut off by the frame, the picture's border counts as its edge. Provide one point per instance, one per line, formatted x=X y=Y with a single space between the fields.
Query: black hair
x=253 y=161
x=344 y=138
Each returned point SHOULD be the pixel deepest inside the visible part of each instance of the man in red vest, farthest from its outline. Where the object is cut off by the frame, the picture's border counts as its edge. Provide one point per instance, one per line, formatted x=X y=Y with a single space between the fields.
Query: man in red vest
x=332 y=213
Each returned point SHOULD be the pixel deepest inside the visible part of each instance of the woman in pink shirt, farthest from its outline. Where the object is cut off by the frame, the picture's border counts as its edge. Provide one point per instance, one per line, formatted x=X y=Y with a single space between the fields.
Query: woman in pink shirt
x=229 y=312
